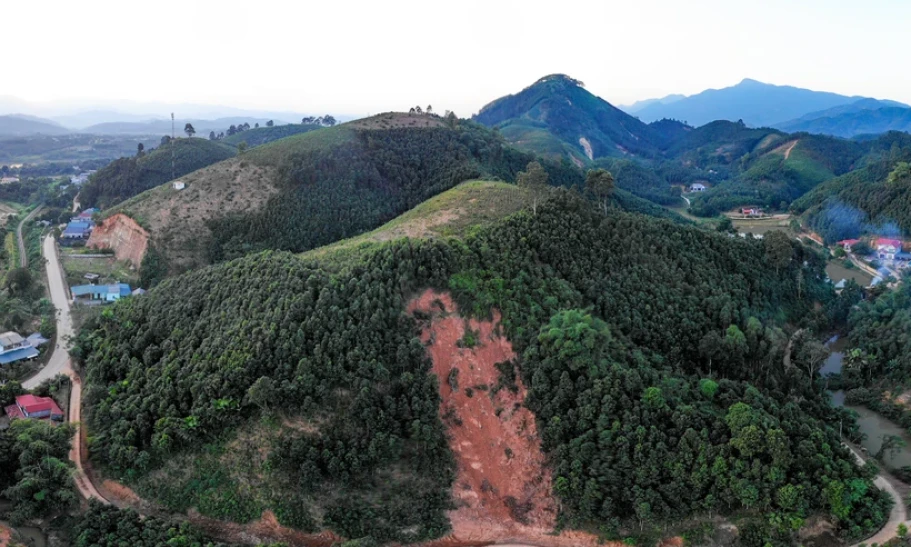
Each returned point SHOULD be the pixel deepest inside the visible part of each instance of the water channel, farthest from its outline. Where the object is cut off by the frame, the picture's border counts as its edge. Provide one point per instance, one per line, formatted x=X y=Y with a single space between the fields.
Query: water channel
x=871 y=424
x=30 y=535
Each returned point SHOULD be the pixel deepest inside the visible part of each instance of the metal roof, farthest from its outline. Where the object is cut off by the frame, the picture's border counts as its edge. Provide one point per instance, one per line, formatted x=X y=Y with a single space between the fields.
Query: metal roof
x=10 y=339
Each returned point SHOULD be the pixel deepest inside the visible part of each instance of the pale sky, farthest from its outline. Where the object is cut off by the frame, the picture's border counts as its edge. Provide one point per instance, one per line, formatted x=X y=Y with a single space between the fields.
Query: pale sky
x=354 y=57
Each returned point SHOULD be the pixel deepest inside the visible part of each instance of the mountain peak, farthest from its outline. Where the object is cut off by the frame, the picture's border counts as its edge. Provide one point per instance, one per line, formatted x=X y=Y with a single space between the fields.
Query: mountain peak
x=750 y=81
x=559 y=78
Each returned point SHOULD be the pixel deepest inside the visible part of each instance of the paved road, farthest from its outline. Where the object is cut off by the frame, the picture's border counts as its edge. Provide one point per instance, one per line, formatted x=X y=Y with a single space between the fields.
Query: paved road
x=899 y=512
x=23 y=257
x=59 y=363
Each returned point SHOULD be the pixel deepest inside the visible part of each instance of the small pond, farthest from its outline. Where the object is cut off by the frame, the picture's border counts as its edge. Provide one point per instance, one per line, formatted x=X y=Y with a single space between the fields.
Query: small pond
x=871 y=424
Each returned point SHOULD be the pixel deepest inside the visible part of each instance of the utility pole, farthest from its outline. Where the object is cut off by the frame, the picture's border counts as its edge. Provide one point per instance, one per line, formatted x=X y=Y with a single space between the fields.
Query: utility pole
x=172 y=145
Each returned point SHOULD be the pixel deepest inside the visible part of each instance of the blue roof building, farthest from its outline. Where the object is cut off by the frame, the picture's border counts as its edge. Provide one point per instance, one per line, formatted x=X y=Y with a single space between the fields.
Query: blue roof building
x=104 y=293
x=14 y=347
x=78 y=229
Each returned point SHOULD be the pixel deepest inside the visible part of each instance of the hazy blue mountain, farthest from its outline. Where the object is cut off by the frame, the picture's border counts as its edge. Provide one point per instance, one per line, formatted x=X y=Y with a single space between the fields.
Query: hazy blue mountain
x=80 y=120
x=850 y=108
x=22 y=125
x=163 y=127
x=639 y=105
x=756 y=103
x=851 y=123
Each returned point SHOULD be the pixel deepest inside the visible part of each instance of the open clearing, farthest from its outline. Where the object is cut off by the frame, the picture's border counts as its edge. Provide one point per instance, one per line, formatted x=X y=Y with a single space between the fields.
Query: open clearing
x=836 y=272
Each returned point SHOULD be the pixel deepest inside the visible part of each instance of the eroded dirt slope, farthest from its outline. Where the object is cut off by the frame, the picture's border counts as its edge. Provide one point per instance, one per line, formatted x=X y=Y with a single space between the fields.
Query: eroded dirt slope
x=121 y=233
x=502 y=488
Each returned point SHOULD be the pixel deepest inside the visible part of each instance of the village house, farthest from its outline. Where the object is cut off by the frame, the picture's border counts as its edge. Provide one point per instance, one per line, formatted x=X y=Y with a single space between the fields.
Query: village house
x=179 y=185
x=8 y=180
x=14 y=347
x=78 y=229
x=697 y=187
x=886 y=249
x=846 y=244
x=31 y=406
x=751 y=211
x=87 y=214
x=100 y=293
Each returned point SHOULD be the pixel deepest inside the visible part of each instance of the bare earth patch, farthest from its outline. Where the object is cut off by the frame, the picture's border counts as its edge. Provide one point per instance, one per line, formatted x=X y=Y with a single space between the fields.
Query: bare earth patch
x=265 y=530
x=389 y=120
x=503 y=489
x=587 y=146
x=121 y=233
x=176 y=219
x=785 y=149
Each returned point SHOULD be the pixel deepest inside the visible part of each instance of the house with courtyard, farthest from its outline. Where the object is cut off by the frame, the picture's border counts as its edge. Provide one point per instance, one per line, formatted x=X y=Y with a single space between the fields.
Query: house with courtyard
x=697 y=187
x=32 y=406
x=886 y=249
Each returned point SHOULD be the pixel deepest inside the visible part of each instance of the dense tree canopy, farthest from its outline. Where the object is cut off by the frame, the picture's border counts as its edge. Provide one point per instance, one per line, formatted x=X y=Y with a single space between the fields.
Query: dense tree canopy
x=667 y=396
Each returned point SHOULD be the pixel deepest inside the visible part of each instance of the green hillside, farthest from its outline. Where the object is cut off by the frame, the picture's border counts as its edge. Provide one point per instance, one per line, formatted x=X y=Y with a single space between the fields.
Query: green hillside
x=875 y=199
x=656 y=378
x=127 y=177
x=557 y=116
x=776 y=169
x=456 y=213
x=315 y=188
x=262 y=135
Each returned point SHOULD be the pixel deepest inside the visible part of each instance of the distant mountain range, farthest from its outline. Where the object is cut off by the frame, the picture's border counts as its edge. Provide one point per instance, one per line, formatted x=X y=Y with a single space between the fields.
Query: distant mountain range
x=639 y=105
x=17 y=125
x=155 y=127
x=757 y=104
x=863 y=117
x=82 y=115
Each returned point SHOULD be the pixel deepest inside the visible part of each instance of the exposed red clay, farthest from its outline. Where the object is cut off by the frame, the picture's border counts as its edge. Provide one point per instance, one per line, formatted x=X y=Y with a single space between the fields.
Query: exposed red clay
x=265 y=530
x=501 y=496
x=121 y=233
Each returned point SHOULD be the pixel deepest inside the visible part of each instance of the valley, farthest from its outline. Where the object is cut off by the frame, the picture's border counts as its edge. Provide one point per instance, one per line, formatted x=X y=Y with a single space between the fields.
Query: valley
x=550 y=321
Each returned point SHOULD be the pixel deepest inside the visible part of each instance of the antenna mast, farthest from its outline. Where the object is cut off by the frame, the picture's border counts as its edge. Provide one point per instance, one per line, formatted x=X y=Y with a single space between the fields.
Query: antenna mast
x=172 y=145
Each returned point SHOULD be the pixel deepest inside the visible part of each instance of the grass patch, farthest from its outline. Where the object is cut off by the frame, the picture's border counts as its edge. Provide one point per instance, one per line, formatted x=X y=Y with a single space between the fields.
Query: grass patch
x=454 y=213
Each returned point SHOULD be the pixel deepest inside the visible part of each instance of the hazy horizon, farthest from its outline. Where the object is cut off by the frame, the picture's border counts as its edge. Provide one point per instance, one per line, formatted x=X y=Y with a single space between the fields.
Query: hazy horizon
x=357 y=58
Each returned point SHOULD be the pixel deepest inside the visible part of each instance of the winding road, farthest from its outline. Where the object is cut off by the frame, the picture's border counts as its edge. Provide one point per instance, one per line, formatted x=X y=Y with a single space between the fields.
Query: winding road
x=23 y=256
x=898 y=515
x=899 y=511
x=59 y=363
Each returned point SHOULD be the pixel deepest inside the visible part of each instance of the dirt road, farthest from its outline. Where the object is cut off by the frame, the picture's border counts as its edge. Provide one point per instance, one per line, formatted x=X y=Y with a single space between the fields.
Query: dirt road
x=23 y=257
x=59 y=363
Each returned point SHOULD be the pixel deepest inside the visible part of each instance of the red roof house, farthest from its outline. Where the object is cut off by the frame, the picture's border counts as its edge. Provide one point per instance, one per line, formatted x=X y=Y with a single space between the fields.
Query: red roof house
x=847 y=243
x=30 y=406
x=894 y=243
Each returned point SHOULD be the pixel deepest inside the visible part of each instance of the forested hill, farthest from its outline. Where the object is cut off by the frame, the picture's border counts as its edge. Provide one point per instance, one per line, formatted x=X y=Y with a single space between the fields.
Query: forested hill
x=127 y=177
x=652 y=353
x=263 y=135
x=315 y=188
x=764 y=167
x=556 y=116
x=874 y=199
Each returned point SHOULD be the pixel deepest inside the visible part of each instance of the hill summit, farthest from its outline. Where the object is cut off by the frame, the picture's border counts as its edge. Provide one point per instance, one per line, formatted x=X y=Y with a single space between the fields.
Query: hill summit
x=556 y=115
